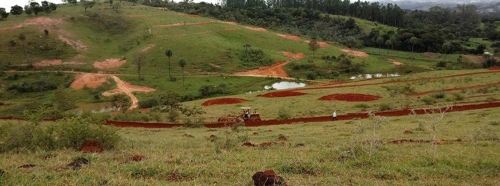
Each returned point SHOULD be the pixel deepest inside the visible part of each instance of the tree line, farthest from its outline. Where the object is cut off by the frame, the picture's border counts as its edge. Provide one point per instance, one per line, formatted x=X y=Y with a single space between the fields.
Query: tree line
x=443 y=30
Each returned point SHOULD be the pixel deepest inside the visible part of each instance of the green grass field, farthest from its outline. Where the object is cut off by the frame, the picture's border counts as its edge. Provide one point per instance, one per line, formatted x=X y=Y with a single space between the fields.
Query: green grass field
x=328 y=153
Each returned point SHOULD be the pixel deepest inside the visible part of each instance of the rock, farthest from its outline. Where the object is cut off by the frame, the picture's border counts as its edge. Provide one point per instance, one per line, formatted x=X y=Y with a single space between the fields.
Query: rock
x=78 y=162
x=267 y=178
x=282 y=137
x=92 y=146
x=26 y=166
x=137 y=158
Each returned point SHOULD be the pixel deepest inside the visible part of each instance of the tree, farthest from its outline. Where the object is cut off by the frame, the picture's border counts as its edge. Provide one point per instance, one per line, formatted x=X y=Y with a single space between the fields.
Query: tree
x=3 y=13
x=247 y=46
x=169 y=54
x=413 y=41
x=22 y=37
x=120 y=102
x=380 y=41
x=70 y=1
x=53 y=7
x=182 y=64
x=140 y=61
x=45 y=7
x=28 y=10
x=388 y=43
x=313 y=45
x=169 y=101
x=16 y=10
x=87 y=4
x=35 y=7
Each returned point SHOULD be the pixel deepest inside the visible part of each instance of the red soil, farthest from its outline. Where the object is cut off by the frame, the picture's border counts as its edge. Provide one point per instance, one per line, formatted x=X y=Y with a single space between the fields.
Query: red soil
x=495 y=68
x=295 y=38
x=137 y=158
x=223 y=101
x=88 y=80
x=439 y=142
x=355 y=53
x=91 y=147
x=268 y=178
x=395 y=62
x=350 y=97
x=109 y=63
x=282 y=137
x=276 y=70
x=321 y=44
x=256 y=29
x=282 y=94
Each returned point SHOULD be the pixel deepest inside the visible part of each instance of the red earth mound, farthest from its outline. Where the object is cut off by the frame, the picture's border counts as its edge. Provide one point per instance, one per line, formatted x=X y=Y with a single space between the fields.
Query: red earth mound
x=91 y=147
x=282 y=94
x=223 y=101
x=495 y=68
x=350 y=97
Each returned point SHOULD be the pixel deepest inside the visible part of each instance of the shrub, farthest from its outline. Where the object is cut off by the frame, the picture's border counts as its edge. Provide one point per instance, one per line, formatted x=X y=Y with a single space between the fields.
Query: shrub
x=283 y=114
x=458 y=96
x=441 y=64
x=439 y=95
x=361 y=105
x=384 y=107
x=428 y=100
x=67 y=133
x=149 y=103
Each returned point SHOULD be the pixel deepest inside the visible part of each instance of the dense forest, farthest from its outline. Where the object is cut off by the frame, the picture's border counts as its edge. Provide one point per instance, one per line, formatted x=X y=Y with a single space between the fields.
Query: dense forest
x=442 y=30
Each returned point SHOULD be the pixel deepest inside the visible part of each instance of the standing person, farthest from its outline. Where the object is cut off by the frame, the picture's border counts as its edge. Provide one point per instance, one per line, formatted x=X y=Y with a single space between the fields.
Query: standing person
x=334 y=115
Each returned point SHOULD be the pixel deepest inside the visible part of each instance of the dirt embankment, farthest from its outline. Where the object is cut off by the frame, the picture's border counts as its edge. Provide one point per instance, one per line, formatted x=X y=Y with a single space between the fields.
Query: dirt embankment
x=290 y=37
x=223 y=101
x=88 y=80
x=256 y=29
x=355 y=53
x=275 y=70
x=395 y=62
x=109 y=63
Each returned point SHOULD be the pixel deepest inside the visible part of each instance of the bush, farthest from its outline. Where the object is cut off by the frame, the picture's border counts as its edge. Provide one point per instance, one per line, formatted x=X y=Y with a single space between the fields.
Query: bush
x=384 y=107
x=458 y=96
x=361 y=105
x=67 y=133
x=149 y=103
x=283 y=114
x=439 y=95
x=428 y=100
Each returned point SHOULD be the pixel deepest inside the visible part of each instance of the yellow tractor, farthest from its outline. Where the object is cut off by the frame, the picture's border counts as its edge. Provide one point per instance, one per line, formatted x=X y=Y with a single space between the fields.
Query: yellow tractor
x=246 y=115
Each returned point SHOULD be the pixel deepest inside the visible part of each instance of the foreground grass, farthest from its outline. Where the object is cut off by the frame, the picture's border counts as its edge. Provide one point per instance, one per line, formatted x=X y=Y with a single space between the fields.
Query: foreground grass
x=328 y=153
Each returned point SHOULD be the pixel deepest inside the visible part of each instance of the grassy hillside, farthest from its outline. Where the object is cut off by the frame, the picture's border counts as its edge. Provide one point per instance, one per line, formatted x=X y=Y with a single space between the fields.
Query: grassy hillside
x=213 y=50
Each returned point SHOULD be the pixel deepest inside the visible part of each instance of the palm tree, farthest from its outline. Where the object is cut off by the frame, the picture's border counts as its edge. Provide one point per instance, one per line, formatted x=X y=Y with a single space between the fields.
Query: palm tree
x=413 y=41
x=182 y=64
x=169 y=54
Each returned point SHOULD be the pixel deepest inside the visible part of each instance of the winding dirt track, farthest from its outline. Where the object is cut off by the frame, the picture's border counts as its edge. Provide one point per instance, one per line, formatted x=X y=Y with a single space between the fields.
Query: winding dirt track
x=126 y=88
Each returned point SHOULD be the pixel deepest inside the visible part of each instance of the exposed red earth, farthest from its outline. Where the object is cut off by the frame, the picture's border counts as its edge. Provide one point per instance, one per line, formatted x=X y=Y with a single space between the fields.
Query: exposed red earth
x=349 y=116
x=223 y=101
x=495 y=68
x=92 y=146
x=439 y=142
x=350 y=97
x=282 y=94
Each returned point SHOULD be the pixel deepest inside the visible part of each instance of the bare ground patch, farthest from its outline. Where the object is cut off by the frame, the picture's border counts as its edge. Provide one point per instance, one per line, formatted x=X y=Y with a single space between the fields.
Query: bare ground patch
x=228 y=22
x=395 y=62
x=321 y=44
x=355 y=53
x=109 y=63
x=183 y=24
x=295 y=56
x=295 y=38
x=148 y=47
x=256 y=29
x=88 y=80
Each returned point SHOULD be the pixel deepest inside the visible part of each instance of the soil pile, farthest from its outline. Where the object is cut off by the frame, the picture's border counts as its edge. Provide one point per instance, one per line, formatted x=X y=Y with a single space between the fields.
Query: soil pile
x=295 y=38
x=109 y=63
x=350 y=97
x=295 y=56
x=88 y=80
x=223 y=101
x=355 y=53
